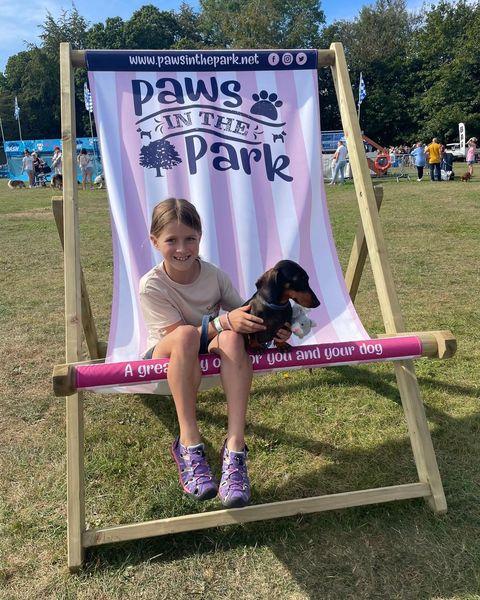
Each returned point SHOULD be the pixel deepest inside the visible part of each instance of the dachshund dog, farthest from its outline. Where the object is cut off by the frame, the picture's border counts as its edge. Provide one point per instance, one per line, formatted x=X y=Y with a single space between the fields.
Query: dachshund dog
x=466 y=176
x=271 y=302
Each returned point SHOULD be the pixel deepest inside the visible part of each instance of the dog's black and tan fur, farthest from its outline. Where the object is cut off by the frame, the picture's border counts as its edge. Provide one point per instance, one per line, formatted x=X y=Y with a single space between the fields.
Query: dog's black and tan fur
x=276 y=287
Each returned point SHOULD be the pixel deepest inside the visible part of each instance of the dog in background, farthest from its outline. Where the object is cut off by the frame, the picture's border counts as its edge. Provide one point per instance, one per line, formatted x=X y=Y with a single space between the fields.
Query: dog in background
x=466 y=177
x=100 y=181
x=57 y=181
x=15 y=184
x=271 y=302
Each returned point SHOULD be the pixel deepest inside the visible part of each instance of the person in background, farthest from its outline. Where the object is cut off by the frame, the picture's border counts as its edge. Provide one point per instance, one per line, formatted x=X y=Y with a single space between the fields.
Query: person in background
x=434 y=154
x=57 y=161
x=340 y=162
x=38 y=169
x=86 y=167
x=27 y=167
x=419 y=158
x=471 y=151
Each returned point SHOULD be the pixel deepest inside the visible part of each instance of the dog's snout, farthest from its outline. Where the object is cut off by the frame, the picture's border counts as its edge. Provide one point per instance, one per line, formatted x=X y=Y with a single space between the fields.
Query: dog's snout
x=306 y=299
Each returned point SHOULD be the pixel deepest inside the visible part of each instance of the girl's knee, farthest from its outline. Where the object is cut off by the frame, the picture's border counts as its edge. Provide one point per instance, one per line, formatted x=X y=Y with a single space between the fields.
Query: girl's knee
x=187 y=338
x=232 y=343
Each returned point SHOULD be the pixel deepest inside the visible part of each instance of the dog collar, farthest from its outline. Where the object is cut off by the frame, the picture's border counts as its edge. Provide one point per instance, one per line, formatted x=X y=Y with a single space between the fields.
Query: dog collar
x=276 y=306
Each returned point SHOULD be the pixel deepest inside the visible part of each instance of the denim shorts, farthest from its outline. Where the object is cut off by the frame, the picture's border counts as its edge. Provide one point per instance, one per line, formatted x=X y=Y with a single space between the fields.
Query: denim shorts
x=149 y=354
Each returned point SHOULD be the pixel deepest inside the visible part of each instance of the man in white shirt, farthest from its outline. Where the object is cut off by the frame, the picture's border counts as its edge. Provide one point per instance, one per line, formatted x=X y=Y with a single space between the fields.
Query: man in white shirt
x=340 y=161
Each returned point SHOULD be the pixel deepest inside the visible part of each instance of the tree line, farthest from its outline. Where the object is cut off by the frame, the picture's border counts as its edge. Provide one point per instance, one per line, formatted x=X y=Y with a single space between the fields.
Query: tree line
x=421 y=69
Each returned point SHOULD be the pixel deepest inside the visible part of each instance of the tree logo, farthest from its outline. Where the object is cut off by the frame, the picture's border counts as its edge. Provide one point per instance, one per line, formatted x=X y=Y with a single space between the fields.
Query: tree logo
x=159 y=155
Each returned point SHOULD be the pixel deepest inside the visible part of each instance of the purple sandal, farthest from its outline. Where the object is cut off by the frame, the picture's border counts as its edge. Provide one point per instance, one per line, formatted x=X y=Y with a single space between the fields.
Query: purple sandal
x=194 y=471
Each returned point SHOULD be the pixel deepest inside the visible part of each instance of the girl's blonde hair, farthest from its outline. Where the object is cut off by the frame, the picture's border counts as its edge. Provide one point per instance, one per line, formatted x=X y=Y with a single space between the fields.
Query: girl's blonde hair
x=174 y=210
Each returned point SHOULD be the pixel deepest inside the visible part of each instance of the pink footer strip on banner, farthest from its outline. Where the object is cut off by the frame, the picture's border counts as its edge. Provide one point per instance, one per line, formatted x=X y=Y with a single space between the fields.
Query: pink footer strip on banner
x=318 y=355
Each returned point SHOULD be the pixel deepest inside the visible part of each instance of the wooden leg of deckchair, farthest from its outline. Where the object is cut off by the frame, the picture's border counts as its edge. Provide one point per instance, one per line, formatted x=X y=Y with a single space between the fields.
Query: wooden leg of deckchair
x=420 y=437
x=95 y=348
x=75 y=482
x=73 y=311
x=382 y=274
x=359 y=253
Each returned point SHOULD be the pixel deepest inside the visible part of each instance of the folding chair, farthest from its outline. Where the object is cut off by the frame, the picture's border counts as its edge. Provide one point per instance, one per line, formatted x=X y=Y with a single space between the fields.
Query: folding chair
x=238 y=134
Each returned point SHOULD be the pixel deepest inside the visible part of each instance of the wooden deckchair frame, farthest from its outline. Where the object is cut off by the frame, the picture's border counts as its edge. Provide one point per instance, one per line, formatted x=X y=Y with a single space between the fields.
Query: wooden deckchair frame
x=78 y=313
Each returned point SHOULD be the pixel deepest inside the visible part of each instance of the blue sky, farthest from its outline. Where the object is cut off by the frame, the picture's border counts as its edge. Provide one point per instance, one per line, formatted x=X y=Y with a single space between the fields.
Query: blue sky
x=20 y=21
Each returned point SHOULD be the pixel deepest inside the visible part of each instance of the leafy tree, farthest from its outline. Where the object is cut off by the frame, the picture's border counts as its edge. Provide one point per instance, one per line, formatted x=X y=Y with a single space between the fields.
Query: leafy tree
x=69 y=27
x=159 y=155
x=378 y=43
x=151 y=28
x=110 y=35
x=261 y=23
x=29 y=75
x=447 y=50
x=188 y=34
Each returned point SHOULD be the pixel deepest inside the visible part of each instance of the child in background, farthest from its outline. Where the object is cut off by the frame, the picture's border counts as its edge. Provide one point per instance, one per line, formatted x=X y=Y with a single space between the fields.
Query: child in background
x=180 y=300
x=85 y=163
x=471 y=151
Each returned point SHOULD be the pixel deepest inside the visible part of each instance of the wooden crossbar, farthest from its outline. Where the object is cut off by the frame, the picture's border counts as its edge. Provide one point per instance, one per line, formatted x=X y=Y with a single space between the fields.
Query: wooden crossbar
x=369 y=238
x=235 y=516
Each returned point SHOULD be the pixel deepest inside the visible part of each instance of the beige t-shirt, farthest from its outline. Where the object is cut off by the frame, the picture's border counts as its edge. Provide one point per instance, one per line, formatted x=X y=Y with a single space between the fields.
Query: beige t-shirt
x=165 y=302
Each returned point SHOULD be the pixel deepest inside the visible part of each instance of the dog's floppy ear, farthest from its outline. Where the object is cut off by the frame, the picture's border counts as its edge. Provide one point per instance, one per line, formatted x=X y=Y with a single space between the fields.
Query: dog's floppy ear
x=268 y=280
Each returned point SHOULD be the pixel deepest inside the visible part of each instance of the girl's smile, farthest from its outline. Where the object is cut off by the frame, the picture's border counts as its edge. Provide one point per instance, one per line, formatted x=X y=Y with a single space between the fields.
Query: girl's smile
x=179 y=245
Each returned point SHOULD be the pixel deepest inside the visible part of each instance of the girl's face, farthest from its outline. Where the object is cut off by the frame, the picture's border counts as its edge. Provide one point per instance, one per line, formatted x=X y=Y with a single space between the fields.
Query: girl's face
x=179 y=246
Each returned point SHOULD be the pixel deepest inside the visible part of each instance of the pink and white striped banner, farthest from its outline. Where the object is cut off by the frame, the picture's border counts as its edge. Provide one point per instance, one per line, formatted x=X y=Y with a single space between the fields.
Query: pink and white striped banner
x=236 y=133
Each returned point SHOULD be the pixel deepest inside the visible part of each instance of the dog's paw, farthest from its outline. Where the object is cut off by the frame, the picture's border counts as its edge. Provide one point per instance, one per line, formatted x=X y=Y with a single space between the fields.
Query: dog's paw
x=283 y=346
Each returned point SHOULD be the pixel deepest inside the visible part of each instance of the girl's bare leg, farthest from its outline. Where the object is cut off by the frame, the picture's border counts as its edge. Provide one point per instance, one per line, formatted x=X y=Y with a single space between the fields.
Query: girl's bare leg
x=183 y=377
x=236 y=376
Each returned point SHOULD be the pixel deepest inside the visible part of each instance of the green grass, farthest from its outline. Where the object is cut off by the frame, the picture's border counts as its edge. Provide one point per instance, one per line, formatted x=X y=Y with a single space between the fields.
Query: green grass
x=334 y=430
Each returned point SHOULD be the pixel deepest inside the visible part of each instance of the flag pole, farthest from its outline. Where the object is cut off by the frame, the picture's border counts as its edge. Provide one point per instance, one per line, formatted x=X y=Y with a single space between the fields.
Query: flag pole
x=3 y=135
x=20 y=129
x=93 y=143
x=16 y=113
x=87 y=96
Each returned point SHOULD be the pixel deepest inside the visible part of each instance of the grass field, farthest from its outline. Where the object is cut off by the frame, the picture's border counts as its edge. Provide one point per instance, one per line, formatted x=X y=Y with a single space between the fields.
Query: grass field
x=334 y=430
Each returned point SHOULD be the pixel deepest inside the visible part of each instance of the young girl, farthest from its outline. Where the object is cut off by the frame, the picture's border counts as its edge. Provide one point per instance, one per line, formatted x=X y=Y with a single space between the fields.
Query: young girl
x=471 y=150
x=180 y=300
x=85 y=163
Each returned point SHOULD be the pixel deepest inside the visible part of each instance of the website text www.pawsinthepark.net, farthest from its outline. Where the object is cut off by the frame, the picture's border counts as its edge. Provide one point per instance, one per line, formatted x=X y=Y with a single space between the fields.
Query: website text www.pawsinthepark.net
x=194 y=60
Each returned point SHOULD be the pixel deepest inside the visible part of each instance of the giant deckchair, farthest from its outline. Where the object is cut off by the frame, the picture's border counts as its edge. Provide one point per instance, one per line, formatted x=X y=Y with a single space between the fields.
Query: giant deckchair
x=237 y=133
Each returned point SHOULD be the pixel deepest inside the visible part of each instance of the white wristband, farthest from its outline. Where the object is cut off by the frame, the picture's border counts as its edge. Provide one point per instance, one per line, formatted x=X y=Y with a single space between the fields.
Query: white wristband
x=217 y=324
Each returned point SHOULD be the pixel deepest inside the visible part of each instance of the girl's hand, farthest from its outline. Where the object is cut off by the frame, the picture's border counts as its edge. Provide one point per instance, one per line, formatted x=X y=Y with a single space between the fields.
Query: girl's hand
x=283 y=334
x=243 y=322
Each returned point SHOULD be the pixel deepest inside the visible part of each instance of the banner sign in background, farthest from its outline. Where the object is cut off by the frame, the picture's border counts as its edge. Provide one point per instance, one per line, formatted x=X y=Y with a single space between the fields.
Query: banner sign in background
x=244 y=147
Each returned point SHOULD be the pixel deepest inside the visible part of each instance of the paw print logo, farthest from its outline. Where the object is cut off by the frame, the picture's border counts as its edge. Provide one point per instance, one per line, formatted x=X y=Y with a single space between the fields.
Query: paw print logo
x=266 y=105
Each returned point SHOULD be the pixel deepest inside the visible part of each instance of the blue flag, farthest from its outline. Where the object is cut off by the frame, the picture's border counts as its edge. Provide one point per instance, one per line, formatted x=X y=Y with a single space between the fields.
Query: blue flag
x=87 y=96
x=16 y=111
x=362 y=90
